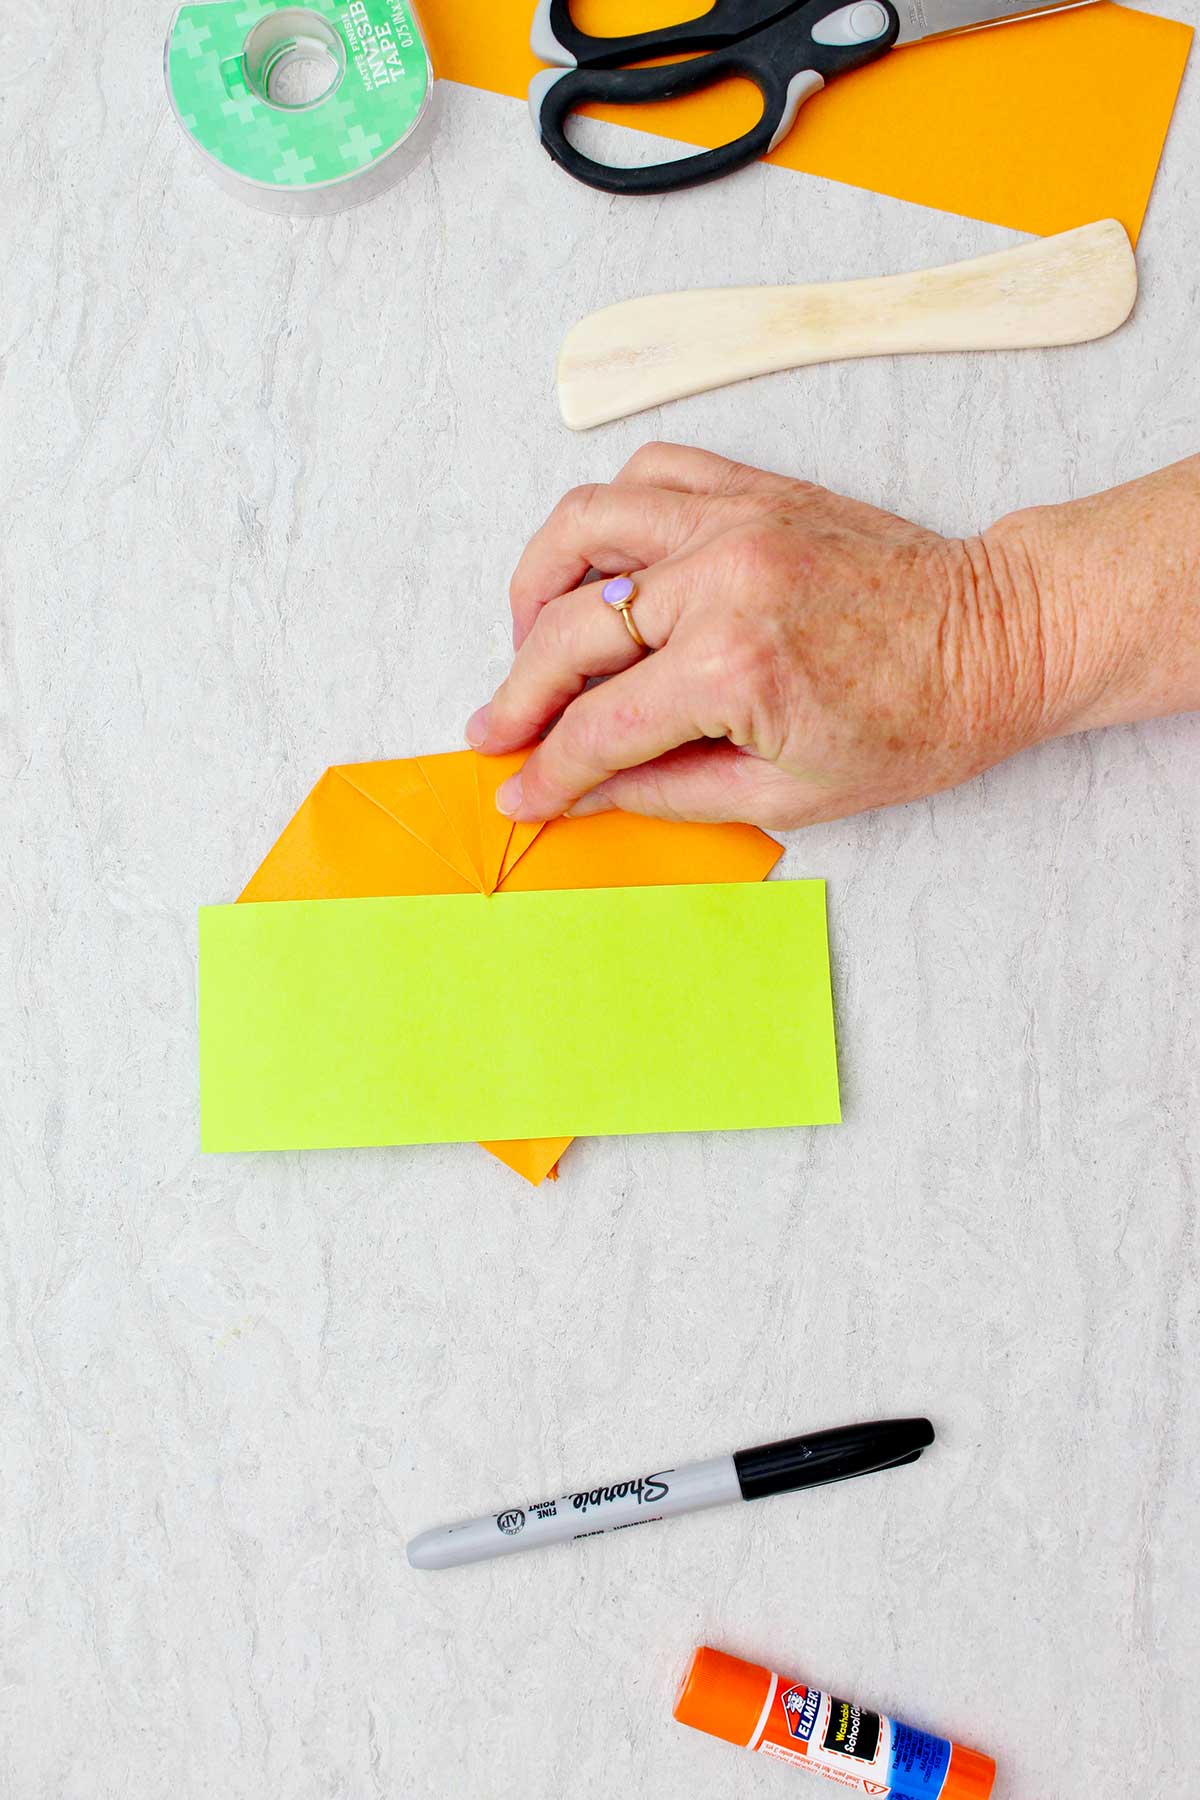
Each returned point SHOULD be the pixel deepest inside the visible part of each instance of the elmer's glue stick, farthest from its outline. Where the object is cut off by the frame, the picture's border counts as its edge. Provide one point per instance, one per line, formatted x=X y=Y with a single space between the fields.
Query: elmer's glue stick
x=796 y=1724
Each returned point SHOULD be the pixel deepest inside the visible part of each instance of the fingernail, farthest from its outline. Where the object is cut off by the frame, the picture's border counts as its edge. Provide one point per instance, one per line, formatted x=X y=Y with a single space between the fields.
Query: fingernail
x=477 y=728
x=508 y=797
x=595 y=802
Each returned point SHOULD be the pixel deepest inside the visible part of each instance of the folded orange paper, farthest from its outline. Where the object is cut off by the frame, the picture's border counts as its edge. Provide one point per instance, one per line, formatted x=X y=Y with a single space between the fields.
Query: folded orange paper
x=429 y=825
x=1040 y=125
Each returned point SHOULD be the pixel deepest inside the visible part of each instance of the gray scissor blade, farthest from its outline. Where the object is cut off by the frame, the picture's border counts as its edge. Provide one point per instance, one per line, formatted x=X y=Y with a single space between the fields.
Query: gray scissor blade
x=939 y=18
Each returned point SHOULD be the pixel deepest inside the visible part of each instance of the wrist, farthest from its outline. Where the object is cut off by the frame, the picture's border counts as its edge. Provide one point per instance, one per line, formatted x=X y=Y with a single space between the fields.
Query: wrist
x=1050 y=653
x=1015 y=676
x=1116 y=596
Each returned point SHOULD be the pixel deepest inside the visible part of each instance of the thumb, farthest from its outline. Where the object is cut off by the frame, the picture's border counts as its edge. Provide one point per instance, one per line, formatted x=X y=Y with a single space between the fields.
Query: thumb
x=711 y=781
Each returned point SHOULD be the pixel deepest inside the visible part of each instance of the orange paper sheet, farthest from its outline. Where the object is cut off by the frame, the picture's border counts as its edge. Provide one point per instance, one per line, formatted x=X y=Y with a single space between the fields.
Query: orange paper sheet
x=1039 y=126
x=429 y=825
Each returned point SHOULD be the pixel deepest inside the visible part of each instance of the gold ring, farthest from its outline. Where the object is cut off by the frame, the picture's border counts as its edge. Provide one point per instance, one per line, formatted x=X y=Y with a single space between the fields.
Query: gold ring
x=620 y=593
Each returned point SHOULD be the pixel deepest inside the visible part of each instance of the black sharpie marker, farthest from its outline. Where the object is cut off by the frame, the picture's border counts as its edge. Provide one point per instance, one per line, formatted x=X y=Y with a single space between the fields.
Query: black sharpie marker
x=746 y=1475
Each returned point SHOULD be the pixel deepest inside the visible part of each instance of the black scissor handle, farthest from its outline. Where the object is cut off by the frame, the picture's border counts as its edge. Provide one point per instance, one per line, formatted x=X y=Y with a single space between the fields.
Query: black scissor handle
x=563 y=90
x=784 y=61
x=555 y=37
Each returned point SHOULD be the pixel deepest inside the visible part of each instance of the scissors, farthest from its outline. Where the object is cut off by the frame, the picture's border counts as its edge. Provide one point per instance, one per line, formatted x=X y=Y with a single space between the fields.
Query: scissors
x=788 y=49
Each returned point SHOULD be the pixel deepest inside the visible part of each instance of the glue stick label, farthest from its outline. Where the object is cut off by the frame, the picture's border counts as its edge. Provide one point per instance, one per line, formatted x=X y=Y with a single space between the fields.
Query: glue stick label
x=852 y=1746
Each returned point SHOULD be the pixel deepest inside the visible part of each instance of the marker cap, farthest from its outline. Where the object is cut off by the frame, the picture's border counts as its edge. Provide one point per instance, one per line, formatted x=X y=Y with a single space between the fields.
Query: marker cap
x=830 y=1456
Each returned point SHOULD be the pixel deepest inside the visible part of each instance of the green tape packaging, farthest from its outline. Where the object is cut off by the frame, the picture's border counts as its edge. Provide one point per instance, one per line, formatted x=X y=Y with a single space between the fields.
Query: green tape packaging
x=302 y=109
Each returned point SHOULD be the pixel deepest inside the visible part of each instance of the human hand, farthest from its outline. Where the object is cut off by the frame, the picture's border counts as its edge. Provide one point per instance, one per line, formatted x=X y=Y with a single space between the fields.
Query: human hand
x=812 y=656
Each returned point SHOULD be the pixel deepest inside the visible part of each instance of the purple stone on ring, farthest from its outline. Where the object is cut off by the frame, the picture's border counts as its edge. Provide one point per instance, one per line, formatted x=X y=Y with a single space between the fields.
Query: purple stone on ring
x=617 y=591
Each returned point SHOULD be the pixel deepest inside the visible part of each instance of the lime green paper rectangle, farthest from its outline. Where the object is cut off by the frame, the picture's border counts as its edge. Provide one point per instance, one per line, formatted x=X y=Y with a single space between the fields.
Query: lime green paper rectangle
x=581 y=1012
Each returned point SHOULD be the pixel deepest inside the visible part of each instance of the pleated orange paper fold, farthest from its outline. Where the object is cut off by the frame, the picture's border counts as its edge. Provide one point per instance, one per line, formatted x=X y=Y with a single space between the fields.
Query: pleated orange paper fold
x=1040 y=125
x=429 y=825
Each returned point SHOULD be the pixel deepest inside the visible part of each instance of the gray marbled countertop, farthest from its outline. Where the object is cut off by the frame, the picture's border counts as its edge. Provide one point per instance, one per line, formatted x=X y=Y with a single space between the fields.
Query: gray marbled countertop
x=262 y=483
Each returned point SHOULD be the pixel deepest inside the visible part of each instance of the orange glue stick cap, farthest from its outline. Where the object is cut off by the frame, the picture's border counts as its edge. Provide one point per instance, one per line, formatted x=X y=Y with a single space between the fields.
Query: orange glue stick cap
x=723 y=1695
x=805 y=1728
x=971 y=1775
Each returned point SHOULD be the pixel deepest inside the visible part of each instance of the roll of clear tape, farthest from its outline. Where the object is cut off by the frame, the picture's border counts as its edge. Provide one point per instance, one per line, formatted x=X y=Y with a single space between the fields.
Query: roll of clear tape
x=302 y=110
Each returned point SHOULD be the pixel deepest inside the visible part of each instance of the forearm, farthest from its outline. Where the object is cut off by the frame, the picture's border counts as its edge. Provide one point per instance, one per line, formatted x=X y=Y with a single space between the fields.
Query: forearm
x=1111 y=588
